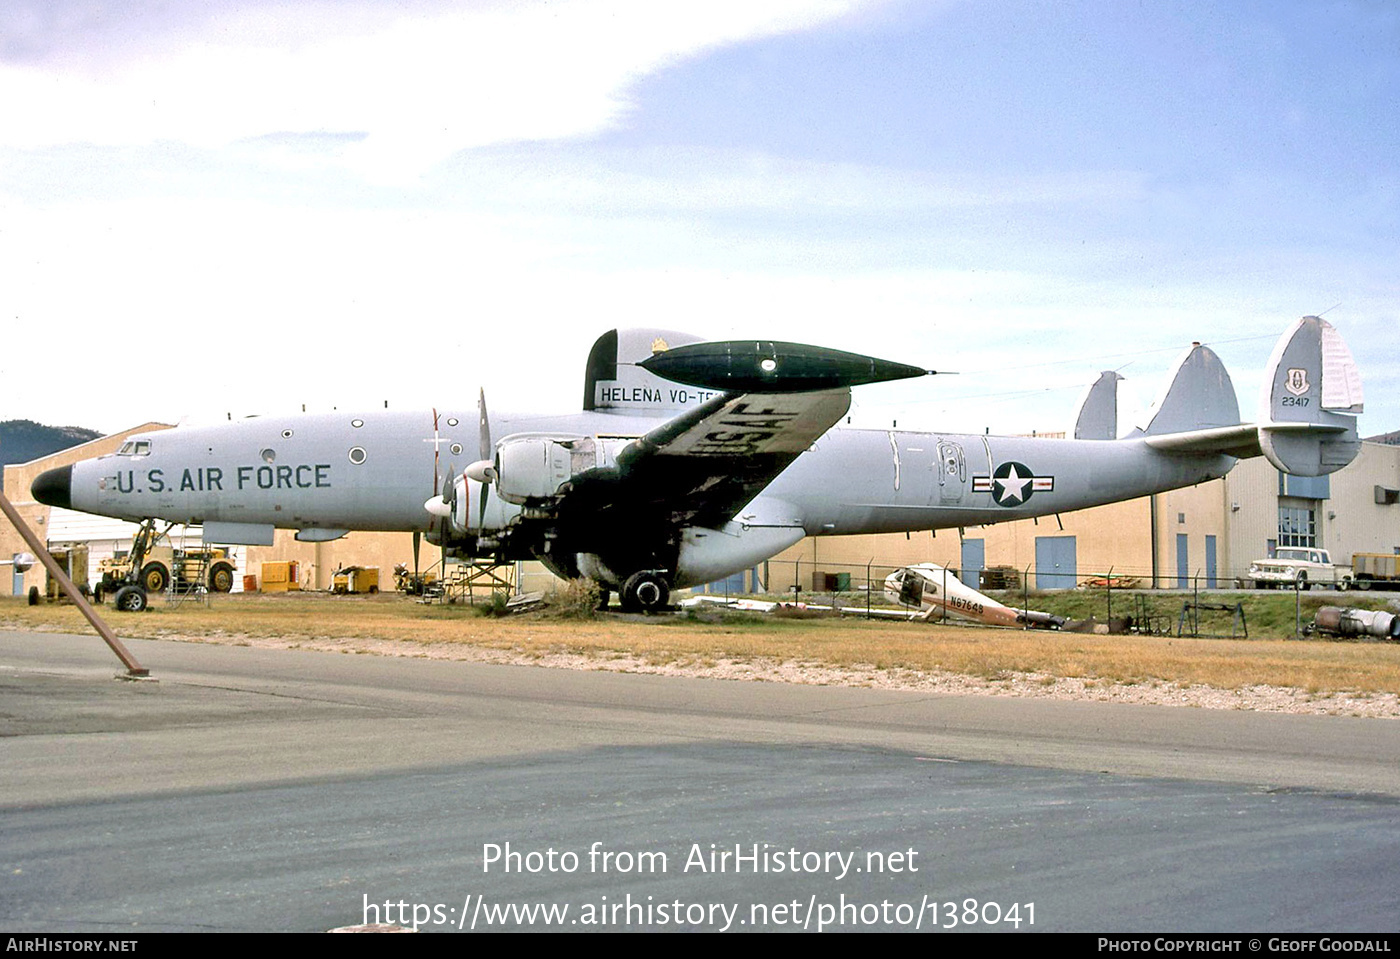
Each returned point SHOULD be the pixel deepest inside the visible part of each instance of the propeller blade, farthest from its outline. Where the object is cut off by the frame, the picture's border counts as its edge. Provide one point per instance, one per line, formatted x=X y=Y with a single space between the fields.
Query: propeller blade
x=486 y=454
x=485 y=448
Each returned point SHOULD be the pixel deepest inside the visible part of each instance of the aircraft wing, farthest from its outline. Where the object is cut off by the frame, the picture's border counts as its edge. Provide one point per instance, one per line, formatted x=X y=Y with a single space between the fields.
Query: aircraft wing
x=702 y=467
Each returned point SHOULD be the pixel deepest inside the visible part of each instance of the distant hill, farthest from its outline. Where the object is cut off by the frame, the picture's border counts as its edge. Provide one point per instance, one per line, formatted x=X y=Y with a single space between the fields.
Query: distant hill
x=25 y=440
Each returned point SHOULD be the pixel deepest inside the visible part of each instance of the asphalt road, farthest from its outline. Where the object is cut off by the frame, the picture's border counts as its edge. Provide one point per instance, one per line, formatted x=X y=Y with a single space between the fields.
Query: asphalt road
x=286 y=790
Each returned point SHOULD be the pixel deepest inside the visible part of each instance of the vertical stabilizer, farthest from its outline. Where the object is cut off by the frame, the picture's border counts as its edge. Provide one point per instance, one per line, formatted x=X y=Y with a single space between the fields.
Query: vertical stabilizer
x=1098 y=411
x=1200 y=396
x=1312 y=393
x=614 y=382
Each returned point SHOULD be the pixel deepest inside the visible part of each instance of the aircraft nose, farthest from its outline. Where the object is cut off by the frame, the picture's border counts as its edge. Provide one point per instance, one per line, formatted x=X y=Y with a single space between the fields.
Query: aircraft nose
x=54 y=487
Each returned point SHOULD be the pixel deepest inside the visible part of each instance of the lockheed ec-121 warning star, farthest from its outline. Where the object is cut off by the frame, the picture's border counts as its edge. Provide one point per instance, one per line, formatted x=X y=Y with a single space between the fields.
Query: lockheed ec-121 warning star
x=693 y=460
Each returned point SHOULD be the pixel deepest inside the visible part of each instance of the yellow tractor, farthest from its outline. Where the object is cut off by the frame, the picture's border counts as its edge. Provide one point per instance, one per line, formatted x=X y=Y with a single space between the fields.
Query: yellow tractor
x=153 y=564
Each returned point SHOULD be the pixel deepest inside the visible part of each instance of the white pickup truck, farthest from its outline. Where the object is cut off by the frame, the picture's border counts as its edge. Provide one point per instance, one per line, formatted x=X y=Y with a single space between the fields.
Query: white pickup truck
x=1304 y=566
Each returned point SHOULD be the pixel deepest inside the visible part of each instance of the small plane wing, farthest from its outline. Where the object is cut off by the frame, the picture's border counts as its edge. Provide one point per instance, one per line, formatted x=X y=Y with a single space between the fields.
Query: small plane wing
x=702 y=467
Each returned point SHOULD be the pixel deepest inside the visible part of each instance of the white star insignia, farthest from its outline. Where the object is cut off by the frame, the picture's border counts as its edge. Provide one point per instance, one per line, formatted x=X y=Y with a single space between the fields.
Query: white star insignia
x=1012 y=487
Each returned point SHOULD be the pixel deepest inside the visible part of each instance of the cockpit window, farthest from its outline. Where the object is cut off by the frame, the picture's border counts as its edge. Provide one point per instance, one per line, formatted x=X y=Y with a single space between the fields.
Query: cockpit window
x=143 y=448
x=135 y=448
x=127 y=448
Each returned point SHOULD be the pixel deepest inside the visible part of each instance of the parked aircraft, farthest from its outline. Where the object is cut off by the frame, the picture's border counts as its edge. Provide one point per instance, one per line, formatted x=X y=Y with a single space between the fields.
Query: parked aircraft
x=692 y=460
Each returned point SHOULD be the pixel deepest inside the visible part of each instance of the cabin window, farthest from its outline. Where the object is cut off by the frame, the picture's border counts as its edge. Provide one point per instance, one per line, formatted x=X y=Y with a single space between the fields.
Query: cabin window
x=358 y=455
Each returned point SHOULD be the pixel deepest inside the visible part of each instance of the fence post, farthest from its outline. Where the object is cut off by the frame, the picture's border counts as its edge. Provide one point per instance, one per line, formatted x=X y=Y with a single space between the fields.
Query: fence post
x=867 y=587
x=1025 y=595
x=1196 y=602
x=1297 y=610
x=1109 y=614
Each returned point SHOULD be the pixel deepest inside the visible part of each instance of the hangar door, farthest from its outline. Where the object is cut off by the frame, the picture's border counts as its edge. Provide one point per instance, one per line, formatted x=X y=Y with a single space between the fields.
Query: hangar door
x=1055 y=562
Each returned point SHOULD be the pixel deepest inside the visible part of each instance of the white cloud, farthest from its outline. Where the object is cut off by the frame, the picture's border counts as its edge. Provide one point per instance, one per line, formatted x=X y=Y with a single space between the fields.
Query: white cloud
x=442 y=79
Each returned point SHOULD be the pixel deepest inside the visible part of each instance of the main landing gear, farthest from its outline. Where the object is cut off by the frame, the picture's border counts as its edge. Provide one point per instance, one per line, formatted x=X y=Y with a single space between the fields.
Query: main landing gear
x=646 y=592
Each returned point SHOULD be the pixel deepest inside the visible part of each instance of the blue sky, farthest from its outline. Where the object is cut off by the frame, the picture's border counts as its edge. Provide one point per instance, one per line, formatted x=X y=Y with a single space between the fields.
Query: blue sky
x=335 y=204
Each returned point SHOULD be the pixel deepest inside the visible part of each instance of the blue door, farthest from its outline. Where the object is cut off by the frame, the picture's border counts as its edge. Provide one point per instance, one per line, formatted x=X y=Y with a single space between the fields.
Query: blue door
x=974 y=560
x=1055 y=562
x=730 y=586
x=1183 y=565
x=1210 y=562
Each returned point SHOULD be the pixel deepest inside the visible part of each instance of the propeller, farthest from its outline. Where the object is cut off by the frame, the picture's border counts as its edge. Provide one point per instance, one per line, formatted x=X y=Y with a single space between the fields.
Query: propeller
x=441 y=504
x=486 y=455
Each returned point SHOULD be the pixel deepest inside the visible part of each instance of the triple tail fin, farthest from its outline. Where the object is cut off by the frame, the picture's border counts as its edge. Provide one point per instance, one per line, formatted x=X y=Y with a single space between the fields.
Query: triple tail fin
x=1307 y=417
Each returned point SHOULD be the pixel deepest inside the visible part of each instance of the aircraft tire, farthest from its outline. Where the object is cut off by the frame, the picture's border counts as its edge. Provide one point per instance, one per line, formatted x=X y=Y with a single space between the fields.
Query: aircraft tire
x=130 y=599
x=646 y=592
x=221 y=578
x=155 y=577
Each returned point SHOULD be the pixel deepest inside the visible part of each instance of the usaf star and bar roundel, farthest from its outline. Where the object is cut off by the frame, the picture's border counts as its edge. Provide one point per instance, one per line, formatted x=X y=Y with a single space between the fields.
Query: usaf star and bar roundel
x=1012 y=484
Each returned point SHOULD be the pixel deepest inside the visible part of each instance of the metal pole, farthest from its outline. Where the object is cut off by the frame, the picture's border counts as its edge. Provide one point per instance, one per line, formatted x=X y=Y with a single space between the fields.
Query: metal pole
x=133 y=668
x=1109 y=614
x=1196 y=602
x=1297 y=610
x=1025 y=596
x=944 y=617
x=867 y=586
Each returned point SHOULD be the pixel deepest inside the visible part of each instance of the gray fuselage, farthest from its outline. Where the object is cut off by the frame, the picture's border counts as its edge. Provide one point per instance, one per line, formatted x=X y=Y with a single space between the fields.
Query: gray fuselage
x=374 y=470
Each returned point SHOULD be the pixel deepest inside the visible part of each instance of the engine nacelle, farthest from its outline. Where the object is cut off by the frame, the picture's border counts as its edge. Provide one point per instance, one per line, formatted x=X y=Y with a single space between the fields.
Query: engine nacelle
x=531 y=467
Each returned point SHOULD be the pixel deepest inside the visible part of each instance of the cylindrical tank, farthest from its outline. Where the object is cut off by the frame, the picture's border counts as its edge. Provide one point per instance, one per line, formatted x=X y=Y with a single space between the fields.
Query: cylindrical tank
x=1357 y=622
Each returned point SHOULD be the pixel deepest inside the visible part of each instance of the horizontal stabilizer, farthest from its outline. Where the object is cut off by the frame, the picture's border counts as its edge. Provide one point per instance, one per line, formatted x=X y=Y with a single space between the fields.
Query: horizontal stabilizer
x=1312 y=391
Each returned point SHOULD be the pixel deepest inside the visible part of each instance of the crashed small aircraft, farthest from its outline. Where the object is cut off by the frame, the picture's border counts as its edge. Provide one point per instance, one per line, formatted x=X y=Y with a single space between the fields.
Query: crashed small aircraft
x=934 y=589
x=693 y=460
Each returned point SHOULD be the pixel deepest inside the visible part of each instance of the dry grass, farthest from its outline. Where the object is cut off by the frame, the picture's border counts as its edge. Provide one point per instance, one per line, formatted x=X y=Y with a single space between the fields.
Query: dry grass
x=1323 y=667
